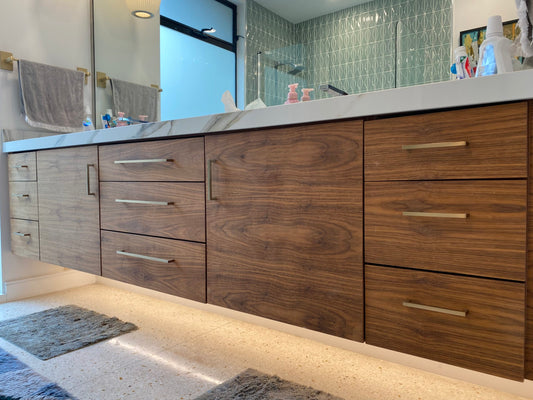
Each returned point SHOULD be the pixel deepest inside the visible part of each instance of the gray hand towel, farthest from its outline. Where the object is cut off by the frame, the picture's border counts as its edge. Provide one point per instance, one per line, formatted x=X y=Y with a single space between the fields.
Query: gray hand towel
x=52 y=97
x=134 y=100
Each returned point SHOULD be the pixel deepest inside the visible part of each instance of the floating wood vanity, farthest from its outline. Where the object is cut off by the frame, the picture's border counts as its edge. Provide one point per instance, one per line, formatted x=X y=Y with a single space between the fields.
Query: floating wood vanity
x=409 y=230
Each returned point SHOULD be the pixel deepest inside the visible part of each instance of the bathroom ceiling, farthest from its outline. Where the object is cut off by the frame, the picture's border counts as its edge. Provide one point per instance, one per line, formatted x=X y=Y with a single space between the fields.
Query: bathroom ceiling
x=301 y=10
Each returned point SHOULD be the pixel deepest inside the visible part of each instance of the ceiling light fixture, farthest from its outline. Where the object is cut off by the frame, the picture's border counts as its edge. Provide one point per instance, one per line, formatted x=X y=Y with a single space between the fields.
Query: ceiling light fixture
x=143 y=9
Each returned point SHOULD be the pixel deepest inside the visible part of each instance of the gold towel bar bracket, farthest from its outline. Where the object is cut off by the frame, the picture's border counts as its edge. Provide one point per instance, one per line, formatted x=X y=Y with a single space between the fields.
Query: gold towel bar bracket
x=6 y=60
x=86 y=72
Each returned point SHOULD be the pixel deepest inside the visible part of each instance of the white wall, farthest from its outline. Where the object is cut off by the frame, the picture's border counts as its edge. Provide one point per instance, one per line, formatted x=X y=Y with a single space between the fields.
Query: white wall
x=470 y=14
x=51 y=32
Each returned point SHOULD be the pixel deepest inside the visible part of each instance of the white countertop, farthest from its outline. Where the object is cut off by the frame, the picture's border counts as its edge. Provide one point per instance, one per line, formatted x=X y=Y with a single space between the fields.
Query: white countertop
x=468 y=92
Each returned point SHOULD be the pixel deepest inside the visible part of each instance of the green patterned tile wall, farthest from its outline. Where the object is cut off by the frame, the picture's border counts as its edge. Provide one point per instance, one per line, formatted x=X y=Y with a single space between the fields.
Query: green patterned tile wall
x=377 y=45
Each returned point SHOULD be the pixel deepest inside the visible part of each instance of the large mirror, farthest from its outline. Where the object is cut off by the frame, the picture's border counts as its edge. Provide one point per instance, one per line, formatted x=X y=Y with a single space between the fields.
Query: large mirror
x=357 y=46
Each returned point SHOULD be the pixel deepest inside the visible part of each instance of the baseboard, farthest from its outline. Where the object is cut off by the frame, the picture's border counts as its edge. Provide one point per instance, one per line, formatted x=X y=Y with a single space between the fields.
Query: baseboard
x=517 y=388
x=44 y=284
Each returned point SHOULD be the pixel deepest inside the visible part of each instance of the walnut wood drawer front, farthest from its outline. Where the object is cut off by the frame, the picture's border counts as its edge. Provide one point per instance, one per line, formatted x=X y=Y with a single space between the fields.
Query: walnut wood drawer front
x=470 y=322
x=166 y=265
x=25 y=238
x=468 y=227
x=166 y=209
x=485 y=142
x=22 y=166
x=162 y=160
x=23 y=201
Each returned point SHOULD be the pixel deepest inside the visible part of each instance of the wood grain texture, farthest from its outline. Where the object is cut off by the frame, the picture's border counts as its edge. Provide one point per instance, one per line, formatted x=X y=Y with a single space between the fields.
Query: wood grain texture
x=489 y=339
x=25 y=246
x=69 y=218
x=285 y=233
x=529 y=309
x=184 y=219
x=16 y=169
x=20 y=206
x=491 y=242
x=187 y=164
x=185 y=277
x=496 y=136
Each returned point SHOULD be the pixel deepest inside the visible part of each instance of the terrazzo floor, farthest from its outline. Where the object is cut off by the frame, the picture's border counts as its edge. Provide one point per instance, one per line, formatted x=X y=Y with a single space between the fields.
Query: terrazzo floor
x=180 y=352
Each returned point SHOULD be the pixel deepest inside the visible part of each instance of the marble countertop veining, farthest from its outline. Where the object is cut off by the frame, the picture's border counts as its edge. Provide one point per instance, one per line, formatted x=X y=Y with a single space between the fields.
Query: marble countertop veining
x=469 y=92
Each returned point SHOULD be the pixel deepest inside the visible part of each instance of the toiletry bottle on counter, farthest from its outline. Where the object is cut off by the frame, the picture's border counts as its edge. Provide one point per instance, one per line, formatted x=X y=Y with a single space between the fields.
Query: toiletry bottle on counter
x=461 y=67
x=292 y=97
x=305 y=96
x=87 y=122
x=495 y=51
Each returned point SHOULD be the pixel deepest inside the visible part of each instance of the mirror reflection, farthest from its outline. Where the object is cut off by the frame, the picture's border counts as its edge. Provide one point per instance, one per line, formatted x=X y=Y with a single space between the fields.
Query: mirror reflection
x=193 y=53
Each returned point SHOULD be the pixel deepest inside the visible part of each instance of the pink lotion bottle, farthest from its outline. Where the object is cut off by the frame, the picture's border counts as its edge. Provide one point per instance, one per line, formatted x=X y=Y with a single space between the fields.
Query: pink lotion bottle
x=292 y=97
x=305 y=96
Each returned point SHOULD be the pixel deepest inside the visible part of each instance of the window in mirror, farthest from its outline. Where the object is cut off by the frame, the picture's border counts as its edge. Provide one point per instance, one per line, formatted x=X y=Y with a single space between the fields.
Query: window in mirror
x=194 y=74
x=203 y=14
x=197 y=67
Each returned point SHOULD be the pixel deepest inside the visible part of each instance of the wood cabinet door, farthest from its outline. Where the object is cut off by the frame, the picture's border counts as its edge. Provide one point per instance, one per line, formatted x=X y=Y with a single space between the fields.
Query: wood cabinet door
x=69 y=208
x=284 y=225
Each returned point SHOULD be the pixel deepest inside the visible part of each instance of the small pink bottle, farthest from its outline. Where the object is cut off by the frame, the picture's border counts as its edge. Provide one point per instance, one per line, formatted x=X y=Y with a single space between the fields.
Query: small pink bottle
x=120 y=119
x=305 y=96
x=292 y=97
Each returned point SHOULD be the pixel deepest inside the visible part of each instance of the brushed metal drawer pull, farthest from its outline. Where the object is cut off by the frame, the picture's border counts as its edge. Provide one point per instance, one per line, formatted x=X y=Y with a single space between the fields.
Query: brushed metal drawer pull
x=21 y=166
x=152 y=160
x=434 y=215
x=435 y=309
x=462 y=143
x=21 y=195
x=210 y=180
x=154 y=203
x=161 y=260
x=22 y=234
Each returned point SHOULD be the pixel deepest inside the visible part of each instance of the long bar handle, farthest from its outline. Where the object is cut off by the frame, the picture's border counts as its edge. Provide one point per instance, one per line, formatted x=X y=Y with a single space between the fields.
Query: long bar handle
x=161 y=260
x=154 y=203
x=435 y=309
x=152 y=160
x=210 y=180
x=21 y=195
x=89 y=193
x=434 y=215
x=22 y=234
x=462 y=143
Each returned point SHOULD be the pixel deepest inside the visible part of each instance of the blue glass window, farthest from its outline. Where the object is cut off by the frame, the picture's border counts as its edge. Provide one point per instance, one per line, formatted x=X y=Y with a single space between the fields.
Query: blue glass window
x=194 y=74
x=196 y=67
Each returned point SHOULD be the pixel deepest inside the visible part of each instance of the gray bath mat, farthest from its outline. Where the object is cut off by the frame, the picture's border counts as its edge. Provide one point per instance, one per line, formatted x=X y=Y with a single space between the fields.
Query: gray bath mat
x=18 y=382
x=254 y=385
x=57 y=331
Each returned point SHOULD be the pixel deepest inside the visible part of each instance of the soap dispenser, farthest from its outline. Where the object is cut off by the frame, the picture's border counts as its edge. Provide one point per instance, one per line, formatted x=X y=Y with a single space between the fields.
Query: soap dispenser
x=305 y=96
x=495 y=51
x=292 y=97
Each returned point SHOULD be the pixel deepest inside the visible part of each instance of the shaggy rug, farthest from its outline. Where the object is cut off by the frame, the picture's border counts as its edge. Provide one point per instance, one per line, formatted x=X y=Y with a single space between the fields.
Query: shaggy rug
x=57 y=331
x=18 y=382
x=254 y=385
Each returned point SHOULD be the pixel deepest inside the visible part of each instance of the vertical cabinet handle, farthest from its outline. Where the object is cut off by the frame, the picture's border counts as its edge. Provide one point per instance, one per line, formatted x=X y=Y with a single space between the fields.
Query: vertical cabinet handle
x=89 y=193
x=210 y=180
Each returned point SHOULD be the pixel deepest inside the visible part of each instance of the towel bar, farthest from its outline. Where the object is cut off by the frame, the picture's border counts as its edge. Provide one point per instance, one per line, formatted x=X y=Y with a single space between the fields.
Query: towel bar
x=102 y=78
x=6 y=60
